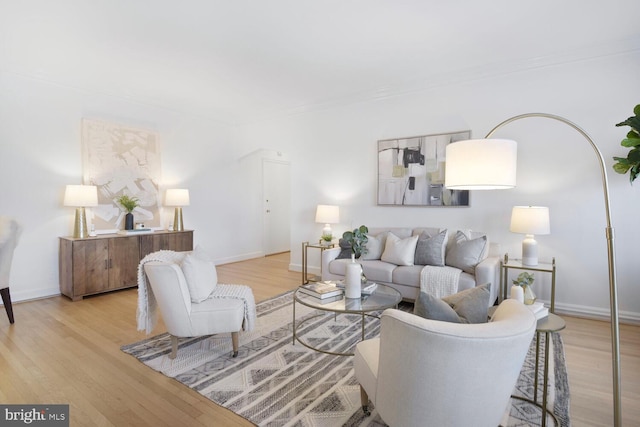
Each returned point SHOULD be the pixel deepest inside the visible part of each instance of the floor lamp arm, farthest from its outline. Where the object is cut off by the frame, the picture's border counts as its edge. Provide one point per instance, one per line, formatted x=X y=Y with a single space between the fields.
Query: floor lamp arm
x=613 y=290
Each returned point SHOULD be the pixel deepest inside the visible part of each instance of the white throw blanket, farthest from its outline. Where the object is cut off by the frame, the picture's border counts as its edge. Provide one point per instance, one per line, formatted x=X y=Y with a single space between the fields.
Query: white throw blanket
x=439 y=281
x=147 y=313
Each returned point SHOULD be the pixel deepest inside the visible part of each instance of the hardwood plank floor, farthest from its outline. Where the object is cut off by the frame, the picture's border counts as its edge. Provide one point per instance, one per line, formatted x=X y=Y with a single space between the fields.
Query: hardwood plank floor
x=60 y=351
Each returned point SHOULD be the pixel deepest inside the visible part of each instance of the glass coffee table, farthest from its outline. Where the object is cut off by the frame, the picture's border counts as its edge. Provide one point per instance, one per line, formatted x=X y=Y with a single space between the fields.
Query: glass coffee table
x=383 y=297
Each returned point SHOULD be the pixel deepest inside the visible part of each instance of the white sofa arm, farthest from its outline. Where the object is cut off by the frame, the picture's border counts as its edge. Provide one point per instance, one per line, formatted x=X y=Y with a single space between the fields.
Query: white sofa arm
x=488 y=271
x=328 y=255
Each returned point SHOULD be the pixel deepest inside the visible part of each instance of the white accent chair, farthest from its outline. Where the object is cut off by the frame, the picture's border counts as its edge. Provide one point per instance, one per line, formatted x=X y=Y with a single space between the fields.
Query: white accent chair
x=9 y=235
x=184 y=318
x=422 y=372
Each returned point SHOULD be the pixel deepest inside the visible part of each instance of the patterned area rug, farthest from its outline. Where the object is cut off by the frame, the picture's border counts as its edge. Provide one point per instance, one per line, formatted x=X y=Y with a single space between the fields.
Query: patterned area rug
x=273 y=382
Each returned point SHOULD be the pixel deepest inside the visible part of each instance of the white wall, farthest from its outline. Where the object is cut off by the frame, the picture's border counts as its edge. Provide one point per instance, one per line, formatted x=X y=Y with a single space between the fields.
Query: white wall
x=333 y=155
x=40 y=152
x=333 y=160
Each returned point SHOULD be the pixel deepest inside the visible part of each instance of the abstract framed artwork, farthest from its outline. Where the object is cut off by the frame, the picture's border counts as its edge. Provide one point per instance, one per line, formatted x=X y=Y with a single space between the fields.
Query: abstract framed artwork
x=121 y=160
x=411 y=171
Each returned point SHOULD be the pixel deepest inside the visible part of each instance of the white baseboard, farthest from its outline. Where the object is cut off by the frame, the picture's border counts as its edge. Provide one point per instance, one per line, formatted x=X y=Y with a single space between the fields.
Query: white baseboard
x=33 y=294
x=237 y=258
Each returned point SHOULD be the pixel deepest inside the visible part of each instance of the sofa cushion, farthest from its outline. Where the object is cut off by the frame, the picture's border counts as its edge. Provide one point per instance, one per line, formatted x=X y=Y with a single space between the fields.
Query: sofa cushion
x=430 y=249
x=468 y=306
x=375 y=246
x=400 y=251
x=378 y=271
x=200 y=274
x=465 y=254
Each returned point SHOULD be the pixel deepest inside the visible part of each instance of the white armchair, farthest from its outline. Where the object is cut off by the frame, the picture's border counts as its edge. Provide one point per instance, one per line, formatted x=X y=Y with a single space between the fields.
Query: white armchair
x=184 y=318
x=9 y=234
x=423 y=372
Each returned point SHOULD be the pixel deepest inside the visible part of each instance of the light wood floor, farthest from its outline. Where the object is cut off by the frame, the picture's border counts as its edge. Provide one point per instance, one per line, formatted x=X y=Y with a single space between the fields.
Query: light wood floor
x=60 y=351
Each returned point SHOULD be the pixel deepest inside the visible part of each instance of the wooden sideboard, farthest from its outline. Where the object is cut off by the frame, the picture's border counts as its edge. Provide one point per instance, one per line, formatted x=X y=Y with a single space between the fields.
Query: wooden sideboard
x=110 y=261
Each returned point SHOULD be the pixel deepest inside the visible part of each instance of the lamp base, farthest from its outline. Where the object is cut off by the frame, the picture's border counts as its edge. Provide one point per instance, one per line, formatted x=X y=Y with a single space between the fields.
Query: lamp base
x=529 y=251
x=177 y=220
x=80 y=230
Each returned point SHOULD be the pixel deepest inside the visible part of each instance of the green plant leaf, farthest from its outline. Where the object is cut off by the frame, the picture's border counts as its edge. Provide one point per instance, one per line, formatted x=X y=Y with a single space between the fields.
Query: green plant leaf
x=630 y=142
x=634 y=122
x=636 y=110
x=621 y=168
x=634 y=156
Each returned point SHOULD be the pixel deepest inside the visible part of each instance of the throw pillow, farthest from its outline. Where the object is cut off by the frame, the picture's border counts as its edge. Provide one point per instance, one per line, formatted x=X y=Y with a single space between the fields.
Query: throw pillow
x=345 y=249
x=468 y=306
x=200 y=273
x=399 y=251
x=430 y=250
x=375 y=246
x=465 y=254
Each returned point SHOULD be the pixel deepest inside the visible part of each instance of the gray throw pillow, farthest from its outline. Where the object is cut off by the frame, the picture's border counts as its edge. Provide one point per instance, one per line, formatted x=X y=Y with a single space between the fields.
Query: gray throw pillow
x=346 y=251
x=468 y=306
x=430 y=250
x=465 y=254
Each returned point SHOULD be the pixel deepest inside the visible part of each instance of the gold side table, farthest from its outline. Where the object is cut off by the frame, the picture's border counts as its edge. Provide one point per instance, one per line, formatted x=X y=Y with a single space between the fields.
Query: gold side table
x=516 y=264
x=547 y=326
x=305 y=256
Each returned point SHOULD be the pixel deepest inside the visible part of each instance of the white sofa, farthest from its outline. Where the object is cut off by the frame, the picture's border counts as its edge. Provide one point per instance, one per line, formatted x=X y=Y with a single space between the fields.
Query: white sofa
x=406 y=278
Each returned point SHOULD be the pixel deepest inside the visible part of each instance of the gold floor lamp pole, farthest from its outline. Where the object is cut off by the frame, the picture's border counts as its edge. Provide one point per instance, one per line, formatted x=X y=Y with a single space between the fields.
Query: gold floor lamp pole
x=613 y=290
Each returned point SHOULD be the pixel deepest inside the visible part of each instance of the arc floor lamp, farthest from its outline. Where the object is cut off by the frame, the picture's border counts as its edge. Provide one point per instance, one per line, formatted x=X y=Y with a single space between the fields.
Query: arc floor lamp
x=487 y=164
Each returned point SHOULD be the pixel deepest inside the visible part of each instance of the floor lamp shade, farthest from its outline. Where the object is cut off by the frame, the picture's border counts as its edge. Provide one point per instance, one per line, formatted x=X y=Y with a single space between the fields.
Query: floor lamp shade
x=481 y=164
x=80 y=196
x=327 y=215
x=530 y=220
x=177 y=197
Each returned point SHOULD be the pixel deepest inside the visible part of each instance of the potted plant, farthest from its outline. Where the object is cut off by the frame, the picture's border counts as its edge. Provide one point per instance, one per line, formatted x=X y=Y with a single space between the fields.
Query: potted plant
x=358 y=239
x=525 y=280
x=128 y=203
x=631 y=163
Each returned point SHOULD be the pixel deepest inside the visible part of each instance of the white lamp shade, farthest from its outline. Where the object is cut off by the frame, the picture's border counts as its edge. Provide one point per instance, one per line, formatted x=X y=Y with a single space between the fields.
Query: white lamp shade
x=328 y=214
x=530 y=220
x=177 y=197
x=81 y=195
x=481 y=164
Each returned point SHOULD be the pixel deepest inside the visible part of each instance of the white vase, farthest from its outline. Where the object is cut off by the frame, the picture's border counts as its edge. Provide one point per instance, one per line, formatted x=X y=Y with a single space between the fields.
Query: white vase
x=517 y=293
x=352 y=285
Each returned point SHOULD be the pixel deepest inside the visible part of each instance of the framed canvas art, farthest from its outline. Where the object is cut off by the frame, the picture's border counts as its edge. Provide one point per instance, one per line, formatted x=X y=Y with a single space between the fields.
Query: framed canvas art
x=121 y=160
x=411 y=171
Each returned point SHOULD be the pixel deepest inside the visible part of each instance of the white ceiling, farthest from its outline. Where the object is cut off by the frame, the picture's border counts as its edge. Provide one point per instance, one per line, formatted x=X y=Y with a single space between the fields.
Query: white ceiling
x=239 y=60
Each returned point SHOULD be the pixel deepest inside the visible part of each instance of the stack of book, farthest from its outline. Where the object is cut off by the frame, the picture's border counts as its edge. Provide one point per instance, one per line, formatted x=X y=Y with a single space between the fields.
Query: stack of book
x=322 y=290
x=367 y=287
x=539 y=310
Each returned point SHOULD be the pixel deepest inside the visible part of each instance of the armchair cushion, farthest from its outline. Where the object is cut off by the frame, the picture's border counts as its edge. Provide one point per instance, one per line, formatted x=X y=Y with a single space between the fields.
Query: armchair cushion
x=468 y=306
x=400 y=251
x=201 y=275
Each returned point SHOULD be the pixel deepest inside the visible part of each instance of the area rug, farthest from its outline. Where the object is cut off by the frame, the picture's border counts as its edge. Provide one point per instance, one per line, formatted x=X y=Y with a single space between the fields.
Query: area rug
x=274 y=382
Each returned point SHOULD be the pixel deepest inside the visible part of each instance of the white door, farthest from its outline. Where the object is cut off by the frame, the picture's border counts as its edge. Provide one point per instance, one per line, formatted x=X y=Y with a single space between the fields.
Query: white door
x=276 y=181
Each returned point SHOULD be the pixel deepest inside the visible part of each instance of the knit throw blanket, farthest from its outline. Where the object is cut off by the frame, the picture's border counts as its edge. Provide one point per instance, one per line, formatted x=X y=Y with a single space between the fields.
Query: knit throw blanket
x=439 y=281
x=147 y=312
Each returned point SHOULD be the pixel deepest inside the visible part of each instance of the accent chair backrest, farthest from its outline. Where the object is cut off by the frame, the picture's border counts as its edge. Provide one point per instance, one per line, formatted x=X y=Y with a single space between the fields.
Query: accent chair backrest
x=172 y=295
x=438 y=373
x=9 y=234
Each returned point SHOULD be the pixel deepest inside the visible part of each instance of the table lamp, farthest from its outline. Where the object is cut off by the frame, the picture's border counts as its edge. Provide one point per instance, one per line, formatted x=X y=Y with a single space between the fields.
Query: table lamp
x=177 y=197
x=530 y=220
x=327 y=215
x=81 y=196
